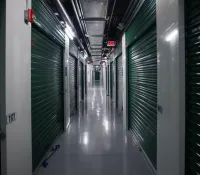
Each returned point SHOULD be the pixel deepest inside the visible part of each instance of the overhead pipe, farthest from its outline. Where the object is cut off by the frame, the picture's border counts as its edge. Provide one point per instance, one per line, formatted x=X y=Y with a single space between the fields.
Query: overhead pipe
x=132 y=5
x=130 y=9
x=66 y=17
x=78 y=4
x=105 y=26
x=75 y=8
x=113 y=9
x=136 y=9
x=80 y=11
x=94 y=19
x=110 y=20
x=84 y=23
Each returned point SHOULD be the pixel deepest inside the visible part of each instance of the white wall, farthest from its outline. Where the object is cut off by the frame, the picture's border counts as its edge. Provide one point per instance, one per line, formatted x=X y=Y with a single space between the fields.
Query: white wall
x=125 y=84
x=18 y=88
x=107 y=77
x=66 y=85
x=104 y=75
x=171 y=91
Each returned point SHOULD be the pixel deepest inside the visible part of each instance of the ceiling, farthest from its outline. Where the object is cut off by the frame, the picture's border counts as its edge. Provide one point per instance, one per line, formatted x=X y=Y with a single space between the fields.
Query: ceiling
x=101 y=20
x=94 y=15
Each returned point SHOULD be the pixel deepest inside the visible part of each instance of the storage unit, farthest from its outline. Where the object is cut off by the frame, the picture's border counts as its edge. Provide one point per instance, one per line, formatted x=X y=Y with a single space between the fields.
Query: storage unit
x=119 y=85
x=97 y=76
x=47 y=86
x=73 y=75
x=73 y=85
x=81 y=81
x=142 y=79
x=192 y=87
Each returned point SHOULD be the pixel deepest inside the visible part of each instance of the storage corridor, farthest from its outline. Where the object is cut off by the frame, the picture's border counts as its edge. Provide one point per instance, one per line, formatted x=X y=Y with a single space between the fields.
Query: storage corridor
x=96 y=144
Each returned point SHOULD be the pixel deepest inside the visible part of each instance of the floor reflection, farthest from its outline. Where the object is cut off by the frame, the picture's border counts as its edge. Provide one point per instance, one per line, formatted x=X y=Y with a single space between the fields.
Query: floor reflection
x=96 y=144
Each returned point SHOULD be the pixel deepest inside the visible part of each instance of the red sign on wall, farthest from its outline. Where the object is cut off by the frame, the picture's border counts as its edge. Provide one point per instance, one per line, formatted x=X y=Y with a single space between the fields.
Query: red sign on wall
x=111 y=43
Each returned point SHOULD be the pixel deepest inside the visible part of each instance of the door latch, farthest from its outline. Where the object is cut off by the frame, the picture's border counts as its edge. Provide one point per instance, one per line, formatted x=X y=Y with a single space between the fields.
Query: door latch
x=2 y=135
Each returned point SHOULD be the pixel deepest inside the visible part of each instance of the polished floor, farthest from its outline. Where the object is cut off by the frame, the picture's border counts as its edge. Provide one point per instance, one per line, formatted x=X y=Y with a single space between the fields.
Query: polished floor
x=96 y=144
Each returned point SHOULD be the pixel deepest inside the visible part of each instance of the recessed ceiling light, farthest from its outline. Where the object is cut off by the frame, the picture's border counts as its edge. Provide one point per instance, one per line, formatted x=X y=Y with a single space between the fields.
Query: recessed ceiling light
x=56 y=14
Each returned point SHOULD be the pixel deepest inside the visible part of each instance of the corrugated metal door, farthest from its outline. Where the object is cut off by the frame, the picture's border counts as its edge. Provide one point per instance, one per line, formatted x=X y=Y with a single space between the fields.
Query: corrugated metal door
x=46 y=92
x=73 y=85
x=97 y=75
x=142 y=79
x=47 y=21
x=192 y=87
x=48 y=41
x=119 y=84
x=82 y=81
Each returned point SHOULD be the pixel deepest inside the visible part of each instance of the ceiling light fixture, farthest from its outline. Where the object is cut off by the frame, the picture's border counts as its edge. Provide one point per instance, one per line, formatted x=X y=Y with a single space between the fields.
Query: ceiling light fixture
x=61 y=6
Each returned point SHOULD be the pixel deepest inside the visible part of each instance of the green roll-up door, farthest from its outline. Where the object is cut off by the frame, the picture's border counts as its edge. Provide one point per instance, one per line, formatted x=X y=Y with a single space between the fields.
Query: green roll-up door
x=73 y=85
x=107 y=80
x=119 y=85
x=73 y=49
x=192 y=87
x=47 y=106
x=73 y=61
x=97 y=75
x=46 y=92
x=142 y=79
x=82 y=81
x=47 y=21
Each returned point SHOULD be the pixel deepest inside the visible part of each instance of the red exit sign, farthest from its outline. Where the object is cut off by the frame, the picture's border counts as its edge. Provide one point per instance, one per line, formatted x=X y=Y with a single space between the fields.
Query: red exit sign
x=111 y=43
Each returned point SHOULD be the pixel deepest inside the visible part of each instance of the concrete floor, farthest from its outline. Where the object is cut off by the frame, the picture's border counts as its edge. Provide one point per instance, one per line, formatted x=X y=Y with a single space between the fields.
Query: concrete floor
x=96 y=144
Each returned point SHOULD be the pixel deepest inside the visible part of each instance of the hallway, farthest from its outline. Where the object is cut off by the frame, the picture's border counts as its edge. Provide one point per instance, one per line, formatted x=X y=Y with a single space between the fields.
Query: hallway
x=95 y=144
